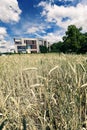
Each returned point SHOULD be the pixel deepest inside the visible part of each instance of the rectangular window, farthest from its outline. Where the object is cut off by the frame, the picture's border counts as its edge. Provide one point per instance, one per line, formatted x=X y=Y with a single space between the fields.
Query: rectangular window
x=24 y=41
x=30 y=42
x=21 y=48
x=18 y=42
x=44 y=43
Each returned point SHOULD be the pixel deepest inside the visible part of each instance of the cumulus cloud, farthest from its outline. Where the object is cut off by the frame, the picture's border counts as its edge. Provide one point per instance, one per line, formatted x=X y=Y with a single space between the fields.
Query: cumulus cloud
x=53 y=1
x=3 y=33
x=83 y=1
x=65 y=0
x=36 y=28
x=5 y=45
x=73 y=15
x=54 y=36
x=9 y=11
x=32 y=30
x=39 y=30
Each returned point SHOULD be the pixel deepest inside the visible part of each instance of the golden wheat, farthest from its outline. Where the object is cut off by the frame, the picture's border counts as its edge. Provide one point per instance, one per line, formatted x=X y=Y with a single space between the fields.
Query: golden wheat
x=43 y=92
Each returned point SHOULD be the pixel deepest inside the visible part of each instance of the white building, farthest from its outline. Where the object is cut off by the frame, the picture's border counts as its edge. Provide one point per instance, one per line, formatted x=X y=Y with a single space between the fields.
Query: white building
x=29 y=45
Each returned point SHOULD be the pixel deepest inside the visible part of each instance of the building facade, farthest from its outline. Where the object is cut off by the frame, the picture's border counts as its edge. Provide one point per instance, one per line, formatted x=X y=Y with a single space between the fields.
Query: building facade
x=29 y=45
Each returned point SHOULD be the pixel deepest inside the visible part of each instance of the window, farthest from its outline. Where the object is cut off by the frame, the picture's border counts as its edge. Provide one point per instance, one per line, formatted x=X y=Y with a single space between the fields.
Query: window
x=24 y=41
x=21 y=48
x=33 y=41
x=44 y=43
x=28 y=46
x=18 y=42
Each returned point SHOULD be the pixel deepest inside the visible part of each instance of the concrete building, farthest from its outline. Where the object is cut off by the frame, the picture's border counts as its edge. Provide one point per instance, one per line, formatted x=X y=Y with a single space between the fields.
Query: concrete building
x=29 y=45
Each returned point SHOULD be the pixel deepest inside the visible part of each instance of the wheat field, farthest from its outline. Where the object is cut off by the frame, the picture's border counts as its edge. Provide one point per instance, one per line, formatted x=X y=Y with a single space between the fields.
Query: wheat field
x=43 y=92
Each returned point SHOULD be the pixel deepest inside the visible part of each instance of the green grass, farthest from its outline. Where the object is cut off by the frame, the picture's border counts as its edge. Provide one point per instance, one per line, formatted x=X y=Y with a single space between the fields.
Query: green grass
x=43 y=92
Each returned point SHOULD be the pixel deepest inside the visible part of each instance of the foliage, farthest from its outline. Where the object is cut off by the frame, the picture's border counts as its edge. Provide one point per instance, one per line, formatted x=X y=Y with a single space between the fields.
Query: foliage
x=57 y=47
x=72 y=38
x=43 y=49
x=73 y=41
x=83 y=43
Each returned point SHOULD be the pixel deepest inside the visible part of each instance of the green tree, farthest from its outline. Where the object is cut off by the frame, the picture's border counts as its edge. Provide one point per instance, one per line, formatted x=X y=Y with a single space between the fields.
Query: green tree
x=57 y=47
x=43 y=49
x=83 y=43
x=72 y=39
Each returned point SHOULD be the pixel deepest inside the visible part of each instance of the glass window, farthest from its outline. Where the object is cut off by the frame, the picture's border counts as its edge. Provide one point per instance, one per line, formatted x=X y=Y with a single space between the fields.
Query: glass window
x=21 y=48
x=16 y=42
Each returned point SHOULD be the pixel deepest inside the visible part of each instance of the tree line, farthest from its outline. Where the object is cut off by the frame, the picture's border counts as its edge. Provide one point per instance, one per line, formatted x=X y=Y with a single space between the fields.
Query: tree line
x=74 y=41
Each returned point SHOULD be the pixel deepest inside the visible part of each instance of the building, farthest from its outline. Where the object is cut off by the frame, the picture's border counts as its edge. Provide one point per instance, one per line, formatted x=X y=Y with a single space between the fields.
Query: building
x=29 y=45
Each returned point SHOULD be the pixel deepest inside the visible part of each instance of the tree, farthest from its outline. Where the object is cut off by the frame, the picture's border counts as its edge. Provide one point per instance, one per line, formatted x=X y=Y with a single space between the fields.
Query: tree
x=43 y=49
x=57 y=47
x=72 y=39
x=83 y=43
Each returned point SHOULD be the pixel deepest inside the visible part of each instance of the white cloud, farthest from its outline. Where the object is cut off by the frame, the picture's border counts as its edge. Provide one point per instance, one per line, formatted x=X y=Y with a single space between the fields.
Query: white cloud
x=3 y=33
x=54 y=36
x=53 y=1
x=39 y=30
x=32 y=30
x=73 y=1
x=9 y=11
x=36 y=28
x=65 y=0
x=76 y=15
x=83 y=1
x=5 y=45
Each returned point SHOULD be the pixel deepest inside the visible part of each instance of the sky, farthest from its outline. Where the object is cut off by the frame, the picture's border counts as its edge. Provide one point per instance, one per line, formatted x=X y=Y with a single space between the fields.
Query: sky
x=46 y=19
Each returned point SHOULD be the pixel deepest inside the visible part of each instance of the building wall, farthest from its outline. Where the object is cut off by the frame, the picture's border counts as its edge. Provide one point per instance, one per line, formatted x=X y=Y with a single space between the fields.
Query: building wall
x=31 y=44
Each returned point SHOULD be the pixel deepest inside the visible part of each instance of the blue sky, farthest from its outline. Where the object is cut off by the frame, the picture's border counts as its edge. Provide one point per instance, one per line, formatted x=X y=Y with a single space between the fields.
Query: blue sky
x=47 y=19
